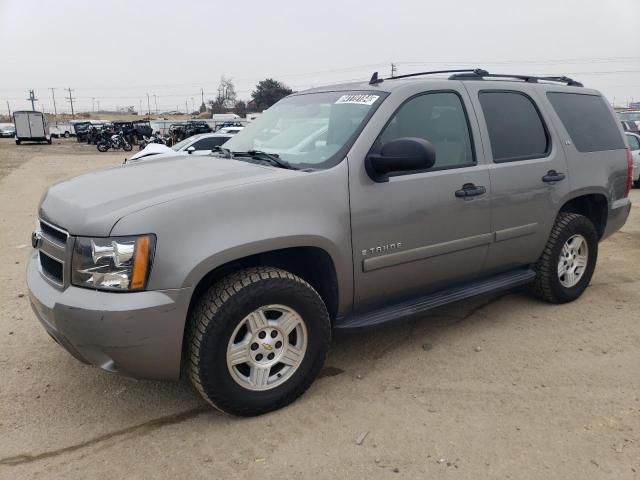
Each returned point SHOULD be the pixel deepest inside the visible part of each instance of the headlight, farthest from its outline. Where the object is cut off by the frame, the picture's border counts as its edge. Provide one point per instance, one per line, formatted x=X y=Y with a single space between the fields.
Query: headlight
x=117 y=263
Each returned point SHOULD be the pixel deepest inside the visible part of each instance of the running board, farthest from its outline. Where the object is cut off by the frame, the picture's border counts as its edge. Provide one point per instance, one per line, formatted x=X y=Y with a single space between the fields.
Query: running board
x=408 y=308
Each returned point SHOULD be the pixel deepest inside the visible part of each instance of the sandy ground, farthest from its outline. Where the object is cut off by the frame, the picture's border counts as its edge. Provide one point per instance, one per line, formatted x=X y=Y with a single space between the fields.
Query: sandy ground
x=501 y=387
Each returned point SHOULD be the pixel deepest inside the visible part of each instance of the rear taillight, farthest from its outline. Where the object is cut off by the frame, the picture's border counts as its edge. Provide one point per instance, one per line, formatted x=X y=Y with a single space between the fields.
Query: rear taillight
x=629 y=173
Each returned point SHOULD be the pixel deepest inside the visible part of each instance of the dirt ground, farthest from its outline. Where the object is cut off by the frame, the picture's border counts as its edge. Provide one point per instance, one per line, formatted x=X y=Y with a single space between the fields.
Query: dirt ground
x=501 y=387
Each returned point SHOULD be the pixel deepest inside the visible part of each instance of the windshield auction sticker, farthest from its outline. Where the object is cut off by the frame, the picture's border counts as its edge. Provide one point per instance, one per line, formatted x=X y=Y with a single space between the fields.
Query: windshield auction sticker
x=358 y=99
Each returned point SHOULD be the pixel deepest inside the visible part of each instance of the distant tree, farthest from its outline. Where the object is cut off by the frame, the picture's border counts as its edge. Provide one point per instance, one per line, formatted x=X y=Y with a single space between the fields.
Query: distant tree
x=268 y=92
x=240 y=108
x=225 y=98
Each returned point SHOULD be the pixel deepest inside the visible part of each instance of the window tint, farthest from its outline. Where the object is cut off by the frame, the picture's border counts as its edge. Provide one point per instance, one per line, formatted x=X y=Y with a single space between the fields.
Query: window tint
x=438 y=118
x=209 y=143
x=633 y=142
x=588 y=121
x=516 y=131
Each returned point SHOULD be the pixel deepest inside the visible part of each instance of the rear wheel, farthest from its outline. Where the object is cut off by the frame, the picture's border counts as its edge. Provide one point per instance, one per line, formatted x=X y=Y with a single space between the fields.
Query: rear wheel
x=257 y=340
x=567 y=263
x=127 y=147
x=18 y=142
x=67 y=134
x=103 y=147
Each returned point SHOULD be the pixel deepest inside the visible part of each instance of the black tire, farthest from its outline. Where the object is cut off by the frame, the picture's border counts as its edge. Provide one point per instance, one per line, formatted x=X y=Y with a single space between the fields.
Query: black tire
x=547 y=285
x=103 y=147
x=636 y=183
x=219 y=311
x=67 y=134
x=18 y=142
x=49 y=140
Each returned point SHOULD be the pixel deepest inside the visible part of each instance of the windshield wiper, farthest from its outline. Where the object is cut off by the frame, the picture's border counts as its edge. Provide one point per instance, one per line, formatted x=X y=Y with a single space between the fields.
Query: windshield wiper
x=272 y=158
x=225 y=151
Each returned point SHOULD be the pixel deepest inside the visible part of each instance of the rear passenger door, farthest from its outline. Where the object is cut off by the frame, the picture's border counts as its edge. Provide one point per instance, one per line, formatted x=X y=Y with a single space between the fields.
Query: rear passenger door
x=527 y=169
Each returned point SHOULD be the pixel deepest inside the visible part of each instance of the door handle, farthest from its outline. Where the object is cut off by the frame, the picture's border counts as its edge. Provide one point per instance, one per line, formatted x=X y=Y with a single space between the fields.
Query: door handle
x=552 y=176
x=470 y=190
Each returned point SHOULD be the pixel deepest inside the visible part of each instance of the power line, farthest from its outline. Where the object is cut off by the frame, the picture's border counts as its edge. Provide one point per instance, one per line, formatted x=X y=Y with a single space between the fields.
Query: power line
x=55 y=111
x=70 y=100
x=33 y=99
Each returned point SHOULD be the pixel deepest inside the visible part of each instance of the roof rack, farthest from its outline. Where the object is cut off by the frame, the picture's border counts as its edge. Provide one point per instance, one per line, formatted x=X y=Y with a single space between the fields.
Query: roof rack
x=479 y=74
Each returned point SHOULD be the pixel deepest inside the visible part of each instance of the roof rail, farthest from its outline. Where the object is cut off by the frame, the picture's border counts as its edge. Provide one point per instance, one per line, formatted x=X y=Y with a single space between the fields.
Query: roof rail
x=478 y=74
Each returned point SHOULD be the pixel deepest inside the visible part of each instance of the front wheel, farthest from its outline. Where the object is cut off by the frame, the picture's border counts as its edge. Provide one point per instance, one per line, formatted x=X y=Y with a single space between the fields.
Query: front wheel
x=127 y=147
x=103 y=147
x=256 y=341
x=566 y=265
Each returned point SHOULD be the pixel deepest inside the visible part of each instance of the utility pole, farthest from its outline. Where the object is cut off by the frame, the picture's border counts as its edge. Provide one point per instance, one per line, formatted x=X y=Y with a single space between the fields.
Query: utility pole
x=202 y=92
x=55 y=112
x=98 y=102
x=155 y=100
x=70 y=100
x=9 y=108
x=33 y=99
x=193 y=105
x=186 y=108
x=148 y=105
x=394 y=69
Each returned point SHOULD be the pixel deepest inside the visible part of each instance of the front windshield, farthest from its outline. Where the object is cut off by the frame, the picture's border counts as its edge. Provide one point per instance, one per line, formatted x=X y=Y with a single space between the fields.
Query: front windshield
x=308 y=130
x=629 y=116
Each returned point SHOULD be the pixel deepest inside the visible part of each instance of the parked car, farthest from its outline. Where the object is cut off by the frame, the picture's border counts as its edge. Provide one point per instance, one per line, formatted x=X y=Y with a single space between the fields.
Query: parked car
x=31 y=126
x=630 y=116
x=201 y=144
x=230 y=130
x=235 y=268
x=60 y=129
x=629 y=126
x=7 y=130
x=633 y=140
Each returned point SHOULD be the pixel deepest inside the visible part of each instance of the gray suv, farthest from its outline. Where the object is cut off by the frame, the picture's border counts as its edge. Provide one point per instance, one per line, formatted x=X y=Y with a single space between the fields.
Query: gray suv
x=339 y=208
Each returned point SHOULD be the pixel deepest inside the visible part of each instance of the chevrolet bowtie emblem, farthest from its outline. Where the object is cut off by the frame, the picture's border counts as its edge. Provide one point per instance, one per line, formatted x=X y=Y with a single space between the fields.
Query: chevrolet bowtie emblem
x=266 y=346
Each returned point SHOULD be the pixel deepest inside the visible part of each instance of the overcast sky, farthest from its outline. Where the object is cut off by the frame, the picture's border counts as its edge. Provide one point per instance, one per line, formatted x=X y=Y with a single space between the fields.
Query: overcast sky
x=118 y=51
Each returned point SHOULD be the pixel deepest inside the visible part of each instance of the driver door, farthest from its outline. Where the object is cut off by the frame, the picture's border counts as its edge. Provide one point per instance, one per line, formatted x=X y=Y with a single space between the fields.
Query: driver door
x=414 y=234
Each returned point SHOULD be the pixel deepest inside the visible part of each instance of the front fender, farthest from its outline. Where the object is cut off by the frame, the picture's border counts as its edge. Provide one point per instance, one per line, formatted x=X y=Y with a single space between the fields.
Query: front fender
x=196 y=234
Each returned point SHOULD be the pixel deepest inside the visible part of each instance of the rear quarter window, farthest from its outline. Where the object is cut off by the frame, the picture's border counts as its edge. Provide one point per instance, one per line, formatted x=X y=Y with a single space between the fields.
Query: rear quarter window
x=588 y=121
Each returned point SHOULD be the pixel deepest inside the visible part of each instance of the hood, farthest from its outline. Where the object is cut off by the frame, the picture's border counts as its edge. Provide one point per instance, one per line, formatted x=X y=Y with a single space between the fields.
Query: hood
x=91 y=204
x=151 y=149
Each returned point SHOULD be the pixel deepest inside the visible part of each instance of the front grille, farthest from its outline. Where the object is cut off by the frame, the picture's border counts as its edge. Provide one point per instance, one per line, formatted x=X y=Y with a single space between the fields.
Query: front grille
x=53 y=252
x=52 y=268
x=54 y=233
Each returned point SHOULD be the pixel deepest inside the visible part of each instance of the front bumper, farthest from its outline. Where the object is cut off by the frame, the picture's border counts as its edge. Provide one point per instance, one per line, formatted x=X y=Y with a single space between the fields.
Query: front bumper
x=138 y=334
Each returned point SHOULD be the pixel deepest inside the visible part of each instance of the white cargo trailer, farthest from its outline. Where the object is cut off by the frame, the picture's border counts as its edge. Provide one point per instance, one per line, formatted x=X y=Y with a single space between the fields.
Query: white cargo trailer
x=31 y=127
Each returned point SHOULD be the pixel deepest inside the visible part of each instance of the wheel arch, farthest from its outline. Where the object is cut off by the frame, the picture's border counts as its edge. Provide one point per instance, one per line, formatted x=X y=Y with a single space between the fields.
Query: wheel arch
x=313 y=264
x=592 y=204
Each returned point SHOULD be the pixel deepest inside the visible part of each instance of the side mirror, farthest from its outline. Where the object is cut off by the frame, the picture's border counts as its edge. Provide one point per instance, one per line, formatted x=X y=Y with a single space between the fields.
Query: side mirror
x=191 y=149
x=408 y=154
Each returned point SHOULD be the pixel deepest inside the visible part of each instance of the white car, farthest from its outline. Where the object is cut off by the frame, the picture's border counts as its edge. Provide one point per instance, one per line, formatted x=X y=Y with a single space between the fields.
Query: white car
x=633 y=140
x=201 y=144
x=230 y=130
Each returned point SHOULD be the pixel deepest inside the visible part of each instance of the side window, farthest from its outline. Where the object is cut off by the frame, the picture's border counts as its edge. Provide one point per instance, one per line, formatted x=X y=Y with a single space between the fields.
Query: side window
x=588 y=121
x=203 y=144
x=634 y=144
x=438 y=118
x=516 y=131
